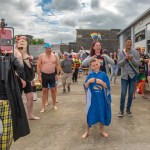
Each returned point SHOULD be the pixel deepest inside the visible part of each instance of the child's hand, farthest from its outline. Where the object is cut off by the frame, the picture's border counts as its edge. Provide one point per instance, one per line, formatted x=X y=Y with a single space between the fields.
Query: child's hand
x=98 y=81
x=92 y=80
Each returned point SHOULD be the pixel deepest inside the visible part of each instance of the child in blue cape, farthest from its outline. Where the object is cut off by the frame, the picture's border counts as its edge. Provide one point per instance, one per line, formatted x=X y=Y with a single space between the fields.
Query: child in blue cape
x=98 y=99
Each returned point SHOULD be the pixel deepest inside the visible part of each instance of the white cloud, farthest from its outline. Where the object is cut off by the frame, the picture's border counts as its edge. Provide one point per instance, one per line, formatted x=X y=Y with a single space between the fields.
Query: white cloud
x=59 y=19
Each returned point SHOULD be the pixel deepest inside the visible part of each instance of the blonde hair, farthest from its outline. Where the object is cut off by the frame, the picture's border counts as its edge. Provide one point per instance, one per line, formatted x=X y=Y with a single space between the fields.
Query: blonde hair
x=93 y=60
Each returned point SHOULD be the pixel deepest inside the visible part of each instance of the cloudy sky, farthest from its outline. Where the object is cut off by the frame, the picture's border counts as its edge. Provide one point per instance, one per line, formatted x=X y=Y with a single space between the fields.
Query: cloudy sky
x=54 y=20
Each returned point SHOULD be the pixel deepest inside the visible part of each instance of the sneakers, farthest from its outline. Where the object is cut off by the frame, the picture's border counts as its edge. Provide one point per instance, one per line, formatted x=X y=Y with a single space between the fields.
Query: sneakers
x=129 y=113
x=120 y=114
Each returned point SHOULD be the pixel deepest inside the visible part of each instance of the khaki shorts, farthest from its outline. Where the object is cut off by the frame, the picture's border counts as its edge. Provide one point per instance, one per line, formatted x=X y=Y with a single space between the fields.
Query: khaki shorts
x=66 y=78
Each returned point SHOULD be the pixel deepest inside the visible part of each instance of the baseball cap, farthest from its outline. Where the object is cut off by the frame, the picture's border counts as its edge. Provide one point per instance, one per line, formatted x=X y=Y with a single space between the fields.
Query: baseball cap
x=47 y=45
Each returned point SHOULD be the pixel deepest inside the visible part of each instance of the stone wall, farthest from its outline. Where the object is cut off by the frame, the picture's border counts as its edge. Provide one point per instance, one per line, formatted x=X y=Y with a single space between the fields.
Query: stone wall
x=109 y=40
x=64 y=48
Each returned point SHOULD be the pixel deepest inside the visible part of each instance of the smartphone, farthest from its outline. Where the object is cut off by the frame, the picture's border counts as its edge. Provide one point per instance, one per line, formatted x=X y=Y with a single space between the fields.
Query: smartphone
x=6 y=39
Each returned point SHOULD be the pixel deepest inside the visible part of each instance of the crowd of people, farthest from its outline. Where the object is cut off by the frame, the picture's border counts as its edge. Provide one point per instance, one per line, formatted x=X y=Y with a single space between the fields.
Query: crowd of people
x=101 y=67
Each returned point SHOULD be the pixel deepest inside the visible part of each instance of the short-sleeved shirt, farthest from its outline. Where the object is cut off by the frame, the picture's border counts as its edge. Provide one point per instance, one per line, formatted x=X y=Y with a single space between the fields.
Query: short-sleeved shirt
x=66 y=65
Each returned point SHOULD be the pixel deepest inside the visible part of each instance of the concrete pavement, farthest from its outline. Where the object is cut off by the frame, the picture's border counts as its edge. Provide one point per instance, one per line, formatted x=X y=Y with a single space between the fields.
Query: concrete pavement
x=62 y=129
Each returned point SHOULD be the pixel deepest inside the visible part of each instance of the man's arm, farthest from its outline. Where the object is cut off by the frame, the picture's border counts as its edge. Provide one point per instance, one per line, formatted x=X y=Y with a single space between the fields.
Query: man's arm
x=58 y=68
x=62 y=65
x=39 y=65
x=121 y=59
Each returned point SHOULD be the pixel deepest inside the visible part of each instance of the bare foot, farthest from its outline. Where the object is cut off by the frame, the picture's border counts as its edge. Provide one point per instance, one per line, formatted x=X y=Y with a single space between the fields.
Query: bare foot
x=55 y=108
x=42 y=110
x=104 y=134
x=85 y=135
x=46 y=104
x=33 y=118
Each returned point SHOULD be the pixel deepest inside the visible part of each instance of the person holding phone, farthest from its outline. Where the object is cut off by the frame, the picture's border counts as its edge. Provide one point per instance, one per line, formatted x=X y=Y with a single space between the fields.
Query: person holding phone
x=25 y=85
x=12 y=111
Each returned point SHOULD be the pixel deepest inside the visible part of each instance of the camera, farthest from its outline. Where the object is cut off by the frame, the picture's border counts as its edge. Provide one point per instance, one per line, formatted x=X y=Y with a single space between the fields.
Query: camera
x=3 y=24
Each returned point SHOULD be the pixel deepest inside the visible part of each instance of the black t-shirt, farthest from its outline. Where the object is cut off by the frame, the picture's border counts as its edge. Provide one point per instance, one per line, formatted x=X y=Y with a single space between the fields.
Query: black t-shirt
x=102 y=63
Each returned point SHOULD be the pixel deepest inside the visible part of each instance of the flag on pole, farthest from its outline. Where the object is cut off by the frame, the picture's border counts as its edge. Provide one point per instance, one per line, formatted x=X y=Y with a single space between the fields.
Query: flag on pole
x=99 y=36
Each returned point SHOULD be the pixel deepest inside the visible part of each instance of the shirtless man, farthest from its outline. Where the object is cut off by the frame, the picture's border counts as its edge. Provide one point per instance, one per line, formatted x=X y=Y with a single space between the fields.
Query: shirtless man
x=47 y=62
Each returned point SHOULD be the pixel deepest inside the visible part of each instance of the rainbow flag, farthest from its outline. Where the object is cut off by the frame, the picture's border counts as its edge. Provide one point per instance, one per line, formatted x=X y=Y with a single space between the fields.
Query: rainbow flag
x=94 y=34
x=141 y=77
x=99 y=36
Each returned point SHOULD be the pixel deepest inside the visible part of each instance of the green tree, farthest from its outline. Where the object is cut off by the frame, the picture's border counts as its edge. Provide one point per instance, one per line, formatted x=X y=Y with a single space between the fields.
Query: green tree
x=37 y=41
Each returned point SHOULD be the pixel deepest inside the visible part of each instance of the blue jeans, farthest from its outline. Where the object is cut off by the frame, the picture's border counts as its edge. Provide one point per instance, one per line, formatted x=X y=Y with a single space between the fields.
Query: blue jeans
x=124 y=86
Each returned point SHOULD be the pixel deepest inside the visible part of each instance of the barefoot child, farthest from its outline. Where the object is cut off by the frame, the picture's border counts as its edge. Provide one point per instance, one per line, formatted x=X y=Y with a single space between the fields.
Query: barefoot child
x=98 y=99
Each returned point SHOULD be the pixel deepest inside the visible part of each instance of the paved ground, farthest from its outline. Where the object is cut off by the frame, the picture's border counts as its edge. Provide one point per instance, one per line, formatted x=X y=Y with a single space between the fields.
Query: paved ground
x=62 y=129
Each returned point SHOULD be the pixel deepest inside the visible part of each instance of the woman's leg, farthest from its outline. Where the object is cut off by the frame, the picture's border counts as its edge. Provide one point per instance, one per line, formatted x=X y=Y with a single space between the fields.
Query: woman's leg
x=29 y=97
x=115 y=76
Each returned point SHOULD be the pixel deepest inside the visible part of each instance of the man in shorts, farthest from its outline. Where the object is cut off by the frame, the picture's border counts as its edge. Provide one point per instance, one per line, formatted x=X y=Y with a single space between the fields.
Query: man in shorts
x=47 y=62
x=66 y=66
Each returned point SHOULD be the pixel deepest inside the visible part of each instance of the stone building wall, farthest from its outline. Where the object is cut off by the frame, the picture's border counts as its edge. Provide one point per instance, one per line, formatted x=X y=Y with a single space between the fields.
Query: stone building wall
x=109 y=40
x=64 y=48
